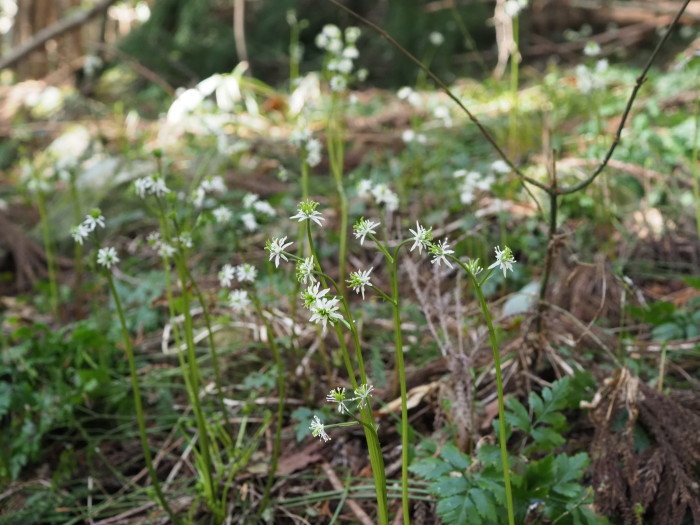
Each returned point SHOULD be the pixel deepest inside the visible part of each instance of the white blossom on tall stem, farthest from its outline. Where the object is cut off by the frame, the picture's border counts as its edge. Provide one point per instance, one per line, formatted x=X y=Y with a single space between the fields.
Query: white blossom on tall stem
x=318 y=429
x=422 y=238
x=107 y=257
x=305 y=270
x=363 y=227
x=79 y=233
x=324 y=311
x=312 y=294
x=358 y=280
x=337 y=395
x=238 y=300
x=276 y=248
x=306 y=211
x=226 y=275
x=246 y=273
x=362 y=394
x=504 y=259
x=440 y=251
x=93 y=220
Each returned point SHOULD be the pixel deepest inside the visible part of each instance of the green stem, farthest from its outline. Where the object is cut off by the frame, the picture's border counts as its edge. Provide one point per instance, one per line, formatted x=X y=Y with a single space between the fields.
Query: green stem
x=138 y=403
x=48 y=249
x=398 y=344
x=499 y=387
x=336 y=158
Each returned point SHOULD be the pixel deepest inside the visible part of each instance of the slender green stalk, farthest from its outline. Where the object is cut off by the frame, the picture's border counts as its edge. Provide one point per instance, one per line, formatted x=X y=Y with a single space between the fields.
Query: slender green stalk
x=78 y=250
x=138 y=403
x=400 y=368
x=48 y=249
x=499 y=387
x=280 y=405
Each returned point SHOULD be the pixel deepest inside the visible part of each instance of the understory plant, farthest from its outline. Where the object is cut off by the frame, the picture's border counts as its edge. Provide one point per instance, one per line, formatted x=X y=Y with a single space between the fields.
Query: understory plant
x=547 y=483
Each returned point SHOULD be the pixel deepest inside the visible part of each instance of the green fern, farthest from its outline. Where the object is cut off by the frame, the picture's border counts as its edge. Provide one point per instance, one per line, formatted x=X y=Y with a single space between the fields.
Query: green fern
x=470 y=490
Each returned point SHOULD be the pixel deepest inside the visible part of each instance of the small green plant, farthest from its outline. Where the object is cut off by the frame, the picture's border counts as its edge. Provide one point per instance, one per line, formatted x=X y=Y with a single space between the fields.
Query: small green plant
x=546 y=485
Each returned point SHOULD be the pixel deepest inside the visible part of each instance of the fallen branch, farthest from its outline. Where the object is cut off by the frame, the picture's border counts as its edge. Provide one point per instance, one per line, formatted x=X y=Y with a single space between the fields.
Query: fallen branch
x=54 y=30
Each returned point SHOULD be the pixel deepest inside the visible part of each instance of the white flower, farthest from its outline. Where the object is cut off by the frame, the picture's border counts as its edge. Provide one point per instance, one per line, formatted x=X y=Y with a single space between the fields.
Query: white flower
x=307 y=211
x=249 y=222
x=364 y=188
x=500 y=166
x=92 y=221
x=238 y=300
x=222 y=214
x=107 y=257
x=362 y=228
x=313 y=152
x=440 y=251
x=153 y=239
x=513 y=7
x=318 y=429
x=158 y=188
x=383 y=195
x=338 y=83
x=351 y=52
x=79 y=233
x=246 y=273
x=352 y=33
x=337 y=395
x=185 y=240
x=421 y=238
x=264 y=207
x=226 y=275
x=601 y=66
x=344 y=66
x=276 y=248
x=312 y=294
x=325 y=311
x=592 y=49
x=305 y=270
x=165 y=250
x=474 y=267
x=436 y=38
x=362 y=394
x=408 y=136
x=198 y=196
x=213 y=184
x=249 y=199
x=143 y=186
x=358 y=280
x=504 y=259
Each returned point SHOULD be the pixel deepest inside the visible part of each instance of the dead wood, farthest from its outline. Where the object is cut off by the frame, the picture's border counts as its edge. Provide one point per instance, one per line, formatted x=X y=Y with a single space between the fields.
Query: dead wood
x=62 y=26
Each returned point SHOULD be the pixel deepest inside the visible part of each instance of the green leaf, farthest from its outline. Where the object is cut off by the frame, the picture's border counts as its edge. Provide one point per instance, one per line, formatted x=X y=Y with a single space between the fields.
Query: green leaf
x=546 y=438
x=517 y=415
x=430 y=468
x=455 y=457
x=458 y=510
x=484 y=504
x=449 y=486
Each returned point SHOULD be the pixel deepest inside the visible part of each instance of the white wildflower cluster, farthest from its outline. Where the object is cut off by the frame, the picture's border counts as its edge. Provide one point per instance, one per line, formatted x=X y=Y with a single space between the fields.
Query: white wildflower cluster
x=381 y=193
x=244 y=273
x=163 y=249
x=253 y=204
x=513 y=7
x=83 y=230
x=409 y=136
x=210 y=185
x=276 y=246
x=472 y=182
x=341 y=50
x=504 y=259
x=363 y=227
x=410 y=95
x=151 y=185
x=309 y=147
x=358 y=280
x=323 y=308
x=589 y=78
x=361 y=397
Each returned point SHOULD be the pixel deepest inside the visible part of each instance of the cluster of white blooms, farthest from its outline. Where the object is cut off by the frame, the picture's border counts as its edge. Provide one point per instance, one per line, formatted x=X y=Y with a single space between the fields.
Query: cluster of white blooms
x=309 y=147
x=243 y=273
x=210 y=185
x=252 y=203
x=342 y=51
x=410 y=95
x=471 y=183
x=588 y=79
x=164 y=249
x=381 y=193
x=361 y=397
x=409 y=136
x=89 y=225
x=323 y=309
x=151 y=185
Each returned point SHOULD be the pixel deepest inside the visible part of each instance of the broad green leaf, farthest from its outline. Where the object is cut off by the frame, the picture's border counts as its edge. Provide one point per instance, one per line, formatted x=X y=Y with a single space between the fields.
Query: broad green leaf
x=484 y=503
x=517 y=415
x=455 y=457
x=430 y=468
